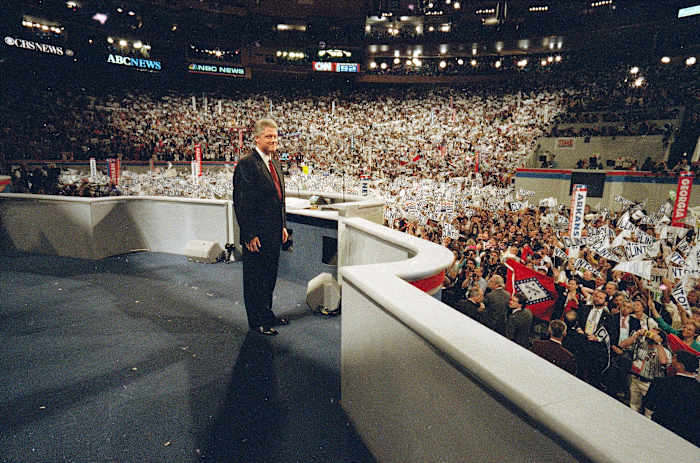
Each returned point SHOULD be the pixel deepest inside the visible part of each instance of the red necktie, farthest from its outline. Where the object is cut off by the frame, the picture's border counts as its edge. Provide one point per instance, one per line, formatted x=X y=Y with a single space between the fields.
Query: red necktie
x=275 y=179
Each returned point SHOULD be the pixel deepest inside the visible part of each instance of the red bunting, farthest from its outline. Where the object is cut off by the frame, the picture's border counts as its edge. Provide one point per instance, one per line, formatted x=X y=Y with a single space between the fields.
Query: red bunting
x=675 y=344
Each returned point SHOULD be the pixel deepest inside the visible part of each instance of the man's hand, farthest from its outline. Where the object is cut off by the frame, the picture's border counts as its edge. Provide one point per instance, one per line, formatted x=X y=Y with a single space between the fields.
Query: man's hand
x=285 y=235
x=253 y=245
x=616 y=349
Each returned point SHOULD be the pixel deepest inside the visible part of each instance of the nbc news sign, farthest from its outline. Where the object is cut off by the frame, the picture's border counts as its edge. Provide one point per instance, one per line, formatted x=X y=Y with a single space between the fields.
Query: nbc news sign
x=216 y=70
x=140 y=64
x=37 y=46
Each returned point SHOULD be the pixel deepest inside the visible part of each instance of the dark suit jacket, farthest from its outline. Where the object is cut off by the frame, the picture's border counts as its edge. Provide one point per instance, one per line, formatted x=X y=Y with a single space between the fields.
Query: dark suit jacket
x=497 y=310
x=469 y=308
x=518 y=328
x=259 y=211
x=605 y=320
x=555 y=353
x=675 y=401
x=634 y=325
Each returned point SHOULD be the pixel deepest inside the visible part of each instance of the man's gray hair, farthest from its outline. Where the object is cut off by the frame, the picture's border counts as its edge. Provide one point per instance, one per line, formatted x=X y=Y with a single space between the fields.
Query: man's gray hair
x=262 y=124
x=474 y=291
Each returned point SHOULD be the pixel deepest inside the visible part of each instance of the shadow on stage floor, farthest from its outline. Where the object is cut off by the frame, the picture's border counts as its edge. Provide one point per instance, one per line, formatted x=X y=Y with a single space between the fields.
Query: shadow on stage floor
x=147 y=357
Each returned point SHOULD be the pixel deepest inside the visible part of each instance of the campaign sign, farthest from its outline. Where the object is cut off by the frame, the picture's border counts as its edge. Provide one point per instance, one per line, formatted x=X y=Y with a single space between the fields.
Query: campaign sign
x=680 y=209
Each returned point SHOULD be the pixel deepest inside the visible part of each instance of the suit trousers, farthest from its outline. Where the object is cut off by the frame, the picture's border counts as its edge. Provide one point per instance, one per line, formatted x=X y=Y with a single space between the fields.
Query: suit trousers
x=259 y=278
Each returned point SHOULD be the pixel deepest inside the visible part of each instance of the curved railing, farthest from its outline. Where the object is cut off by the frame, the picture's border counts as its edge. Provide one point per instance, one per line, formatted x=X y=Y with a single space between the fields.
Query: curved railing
x=422 y=382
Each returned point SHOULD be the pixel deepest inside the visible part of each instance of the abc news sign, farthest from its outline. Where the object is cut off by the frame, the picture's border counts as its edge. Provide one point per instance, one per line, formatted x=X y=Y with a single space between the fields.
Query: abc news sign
x=325 y=66
x=137 y=63
x=37 y=46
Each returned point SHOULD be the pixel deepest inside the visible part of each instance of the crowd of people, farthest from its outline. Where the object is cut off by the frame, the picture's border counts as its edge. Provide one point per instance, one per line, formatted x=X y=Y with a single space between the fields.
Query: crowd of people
x=442 y=160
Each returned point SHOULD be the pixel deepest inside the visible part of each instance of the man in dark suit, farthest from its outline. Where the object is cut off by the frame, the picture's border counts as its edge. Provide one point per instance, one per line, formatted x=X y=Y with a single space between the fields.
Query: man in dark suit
x=674 y=399
x=595 y=355
x=496 y=303
x=552 y=350
x=258 y=199
x=519 y=323
x=473 y=306
x=622 y=326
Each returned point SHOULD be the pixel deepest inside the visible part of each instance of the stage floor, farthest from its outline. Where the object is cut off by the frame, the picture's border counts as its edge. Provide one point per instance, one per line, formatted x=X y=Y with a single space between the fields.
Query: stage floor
x=146 y=358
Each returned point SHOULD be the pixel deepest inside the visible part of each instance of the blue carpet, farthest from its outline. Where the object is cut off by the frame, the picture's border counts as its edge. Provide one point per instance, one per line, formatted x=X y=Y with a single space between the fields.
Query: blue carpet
x=146 y=358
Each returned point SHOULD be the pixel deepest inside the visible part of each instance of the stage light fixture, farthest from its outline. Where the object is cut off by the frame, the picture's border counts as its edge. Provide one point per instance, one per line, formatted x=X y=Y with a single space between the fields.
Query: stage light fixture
x=100 y=18
x=665 y=59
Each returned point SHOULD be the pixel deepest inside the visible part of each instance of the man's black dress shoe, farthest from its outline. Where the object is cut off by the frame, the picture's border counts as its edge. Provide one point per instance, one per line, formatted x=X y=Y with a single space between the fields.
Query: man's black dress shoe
x=266 y=330
x=282 y=321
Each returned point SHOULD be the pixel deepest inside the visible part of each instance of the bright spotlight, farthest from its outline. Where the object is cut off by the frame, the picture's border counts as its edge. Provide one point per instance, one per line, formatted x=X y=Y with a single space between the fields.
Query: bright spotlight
x=460 y=61
x=690 y=61
x=397 y=60
x=138 y=44
x=122 y=43
x=498 y=64
x=110 y=40
x=443 y=64
x=383 y=65
x=557 y=58
x=638 y=81
x=457 y=6
x=550 y=59
x=372 y=65
x=634 y=70
x=665 y=60
x=100 y=18
x=473 y=62
x=543 y=62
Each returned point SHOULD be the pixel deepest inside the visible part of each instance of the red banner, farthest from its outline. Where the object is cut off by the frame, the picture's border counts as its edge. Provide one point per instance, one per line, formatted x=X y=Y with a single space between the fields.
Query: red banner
x=113 y=165
x=675 y=344
x=538 y=288
x=680 y=209
x=198 y=158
